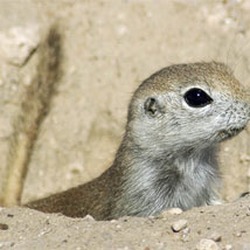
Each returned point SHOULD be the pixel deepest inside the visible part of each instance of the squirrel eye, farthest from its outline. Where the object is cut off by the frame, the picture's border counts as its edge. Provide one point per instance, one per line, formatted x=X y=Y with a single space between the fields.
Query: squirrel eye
x=197 y=98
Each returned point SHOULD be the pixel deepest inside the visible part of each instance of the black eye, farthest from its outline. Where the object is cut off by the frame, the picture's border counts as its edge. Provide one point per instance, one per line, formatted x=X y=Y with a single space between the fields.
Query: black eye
x=197 y=98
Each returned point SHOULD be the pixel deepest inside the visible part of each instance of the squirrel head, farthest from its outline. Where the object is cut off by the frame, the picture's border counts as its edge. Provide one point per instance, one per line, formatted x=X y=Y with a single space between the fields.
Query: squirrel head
x=188 y=106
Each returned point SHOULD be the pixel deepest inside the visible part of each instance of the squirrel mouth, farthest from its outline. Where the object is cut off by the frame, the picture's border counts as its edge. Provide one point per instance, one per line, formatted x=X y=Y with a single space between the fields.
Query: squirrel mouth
x=227 y=134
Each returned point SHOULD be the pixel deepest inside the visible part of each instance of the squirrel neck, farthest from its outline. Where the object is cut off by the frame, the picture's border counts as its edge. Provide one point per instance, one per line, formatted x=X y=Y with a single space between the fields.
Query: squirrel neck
x=155 y=181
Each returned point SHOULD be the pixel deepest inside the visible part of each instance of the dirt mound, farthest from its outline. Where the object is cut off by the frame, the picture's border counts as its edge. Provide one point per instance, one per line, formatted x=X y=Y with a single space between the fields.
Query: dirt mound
x=215 y=227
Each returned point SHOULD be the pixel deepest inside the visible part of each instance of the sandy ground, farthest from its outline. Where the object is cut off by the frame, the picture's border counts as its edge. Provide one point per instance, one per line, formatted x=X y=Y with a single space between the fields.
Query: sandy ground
x=208 y=228
x=109 y=47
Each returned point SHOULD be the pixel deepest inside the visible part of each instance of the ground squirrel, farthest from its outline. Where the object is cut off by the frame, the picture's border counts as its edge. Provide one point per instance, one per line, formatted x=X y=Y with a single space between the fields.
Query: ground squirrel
x=167 y=157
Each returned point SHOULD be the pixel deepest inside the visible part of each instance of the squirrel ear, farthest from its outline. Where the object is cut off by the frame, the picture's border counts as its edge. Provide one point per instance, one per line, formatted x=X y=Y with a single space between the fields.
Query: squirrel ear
x=152 y=106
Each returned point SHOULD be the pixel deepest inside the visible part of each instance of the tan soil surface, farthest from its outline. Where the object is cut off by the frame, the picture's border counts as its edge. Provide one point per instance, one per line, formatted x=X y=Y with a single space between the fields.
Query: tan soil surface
x=227 y=226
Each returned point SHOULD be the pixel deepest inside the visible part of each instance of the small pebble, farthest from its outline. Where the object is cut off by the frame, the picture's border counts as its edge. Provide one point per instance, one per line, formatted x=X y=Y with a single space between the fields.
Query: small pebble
x=171 y=211
x=185 y=234
x=179 y=225
x=215 y=236
x=207 y=244
x=228 y=247
x=186 y=230
x=88 y=218
x=238 y=234
x=175 y=210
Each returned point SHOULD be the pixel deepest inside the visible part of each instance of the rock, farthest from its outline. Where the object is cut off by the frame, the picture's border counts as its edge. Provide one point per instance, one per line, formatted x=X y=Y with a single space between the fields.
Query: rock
x=215 y=236
x=171 y=211
x=185 y=234
x=228 y=247
x=17 y=45
x=88 y=218
x=175 y=210
x=207 y=244
x=179 y=225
